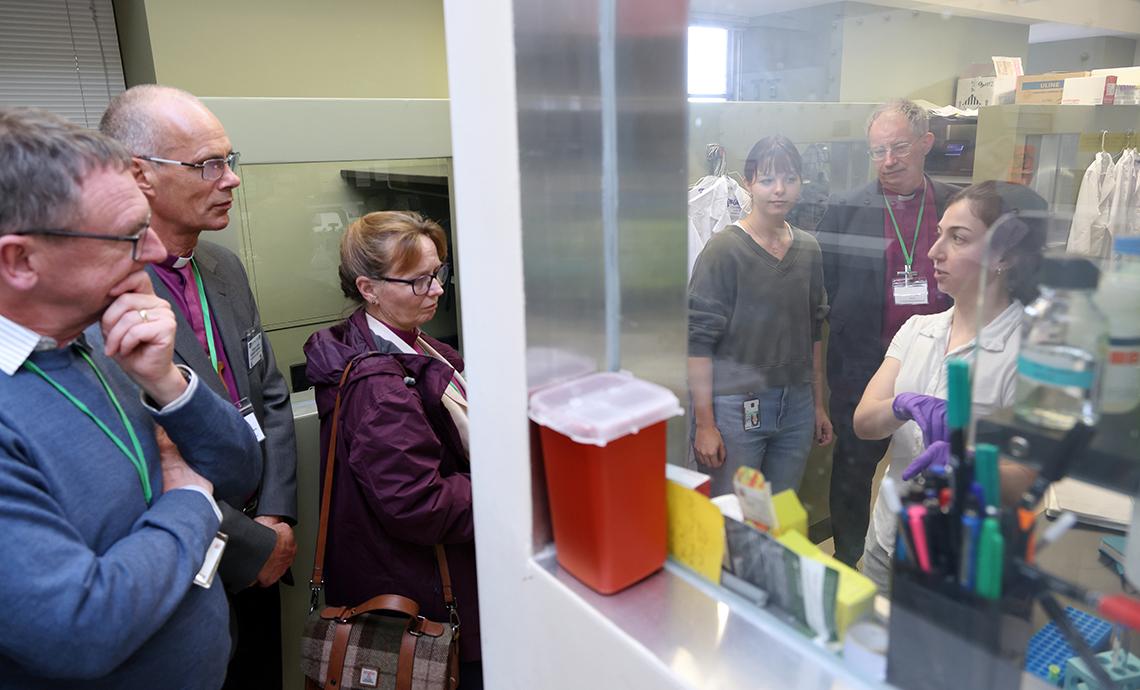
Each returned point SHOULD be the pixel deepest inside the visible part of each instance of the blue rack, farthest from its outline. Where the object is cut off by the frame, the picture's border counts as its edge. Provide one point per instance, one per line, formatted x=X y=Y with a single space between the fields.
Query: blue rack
x=1048 y=645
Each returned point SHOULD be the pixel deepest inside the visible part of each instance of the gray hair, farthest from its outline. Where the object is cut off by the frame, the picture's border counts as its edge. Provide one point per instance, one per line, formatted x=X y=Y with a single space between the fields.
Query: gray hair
x=130 y=119
x=43 y=161
x=915 y=115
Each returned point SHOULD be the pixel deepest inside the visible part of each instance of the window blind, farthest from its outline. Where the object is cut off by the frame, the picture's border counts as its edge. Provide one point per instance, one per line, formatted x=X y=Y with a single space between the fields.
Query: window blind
x=60 y=55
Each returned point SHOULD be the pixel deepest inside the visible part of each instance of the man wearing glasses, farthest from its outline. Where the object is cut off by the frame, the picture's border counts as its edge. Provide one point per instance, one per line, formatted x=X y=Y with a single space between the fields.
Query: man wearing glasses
x=875 y=242
x=186 y=168
x=106 y=530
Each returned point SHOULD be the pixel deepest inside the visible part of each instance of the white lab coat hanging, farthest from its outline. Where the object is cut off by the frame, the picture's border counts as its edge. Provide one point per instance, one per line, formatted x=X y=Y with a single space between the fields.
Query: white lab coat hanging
x=1122 y=218
x=715 y=202
x=1089 y=234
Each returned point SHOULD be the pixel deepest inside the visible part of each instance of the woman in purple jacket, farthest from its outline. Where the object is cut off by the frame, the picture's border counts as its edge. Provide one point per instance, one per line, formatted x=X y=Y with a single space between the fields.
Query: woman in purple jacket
x=403 y=480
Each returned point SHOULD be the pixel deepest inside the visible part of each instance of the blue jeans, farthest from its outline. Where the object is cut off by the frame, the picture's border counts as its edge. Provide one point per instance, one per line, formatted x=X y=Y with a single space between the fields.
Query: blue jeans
x=779 y=447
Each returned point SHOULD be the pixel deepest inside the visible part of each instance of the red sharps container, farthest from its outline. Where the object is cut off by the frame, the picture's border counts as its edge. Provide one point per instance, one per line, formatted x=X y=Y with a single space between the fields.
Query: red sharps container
x=603 y=442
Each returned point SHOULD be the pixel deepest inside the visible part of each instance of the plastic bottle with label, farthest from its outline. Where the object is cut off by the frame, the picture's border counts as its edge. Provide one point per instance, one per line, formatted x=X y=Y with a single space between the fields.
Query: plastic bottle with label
x=1119 y=298
x=1064 y=342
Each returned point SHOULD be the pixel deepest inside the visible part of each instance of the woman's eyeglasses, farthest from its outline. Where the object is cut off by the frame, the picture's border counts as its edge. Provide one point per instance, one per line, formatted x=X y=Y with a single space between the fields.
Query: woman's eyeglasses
x=422 y=284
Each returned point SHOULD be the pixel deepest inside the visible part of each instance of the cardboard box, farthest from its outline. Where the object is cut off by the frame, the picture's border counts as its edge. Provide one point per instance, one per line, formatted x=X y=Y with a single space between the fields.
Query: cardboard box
x=1127 y=94
x=1124 y=75
x=977 y=92
x=1095 y=90
x=1046 y=89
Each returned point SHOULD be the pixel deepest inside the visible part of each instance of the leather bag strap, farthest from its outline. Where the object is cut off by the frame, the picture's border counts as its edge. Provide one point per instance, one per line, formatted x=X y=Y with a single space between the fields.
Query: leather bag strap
x=445 y=576
x=406 y=660
x=385 y=602
x=326 y=495
x=336 y=656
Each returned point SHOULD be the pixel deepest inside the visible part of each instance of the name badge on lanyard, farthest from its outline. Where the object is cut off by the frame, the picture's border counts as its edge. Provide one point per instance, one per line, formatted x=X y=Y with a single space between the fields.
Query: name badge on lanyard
x=245 y=407
x=909 y=288
x=253 y=348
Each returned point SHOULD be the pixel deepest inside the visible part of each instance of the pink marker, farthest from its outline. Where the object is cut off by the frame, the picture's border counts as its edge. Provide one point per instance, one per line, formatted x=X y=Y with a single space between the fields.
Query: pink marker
x=917 y=516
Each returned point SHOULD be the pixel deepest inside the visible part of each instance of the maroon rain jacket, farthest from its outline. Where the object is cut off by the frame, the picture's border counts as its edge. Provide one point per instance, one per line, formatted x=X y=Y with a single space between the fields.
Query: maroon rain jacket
x=402 y=481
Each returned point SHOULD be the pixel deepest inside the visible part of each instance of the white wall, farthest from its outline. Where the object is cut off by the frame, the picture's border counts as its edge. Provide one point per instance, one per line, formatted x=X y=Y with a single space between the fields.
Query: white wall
x=904 y=53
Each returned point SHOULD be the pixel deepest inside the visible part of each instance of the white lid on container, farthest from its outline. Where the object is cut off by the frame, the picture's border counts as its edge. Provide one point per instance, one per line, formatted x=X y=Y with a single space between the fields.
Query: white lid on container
x=603 y=407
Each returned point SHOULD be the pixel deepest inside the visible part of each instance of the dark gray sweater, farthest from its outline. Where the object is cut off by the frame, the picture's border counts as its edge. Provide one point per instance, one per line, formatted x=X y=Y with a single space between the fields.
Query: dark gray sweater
x=756 y=317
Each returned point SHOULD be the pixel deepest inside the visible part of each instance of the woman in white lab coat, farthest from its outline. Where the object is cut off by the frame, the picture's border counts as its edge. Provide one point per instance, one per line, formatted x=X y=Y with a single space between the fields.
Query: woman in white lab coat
x=906 y=398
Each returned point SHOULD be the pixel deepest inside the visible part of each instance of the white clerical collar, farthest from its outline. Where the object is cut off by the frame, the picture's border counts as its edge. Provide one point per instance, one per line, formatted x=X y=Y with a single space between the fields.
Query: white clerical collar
x=182 y=261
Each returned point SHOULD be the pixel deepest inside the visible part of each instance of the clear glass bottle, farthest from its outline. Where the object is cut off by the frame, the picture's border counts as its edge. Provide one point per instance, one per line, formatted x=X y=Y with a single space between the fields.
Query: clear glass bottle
x=1064 y=341
x=1119 y=298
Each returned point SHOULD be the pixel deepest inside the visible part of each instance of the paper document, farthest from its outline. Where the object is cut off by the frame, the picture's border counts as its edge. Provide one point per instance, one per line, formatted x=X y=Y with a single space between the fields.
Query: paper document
x=1091 y=504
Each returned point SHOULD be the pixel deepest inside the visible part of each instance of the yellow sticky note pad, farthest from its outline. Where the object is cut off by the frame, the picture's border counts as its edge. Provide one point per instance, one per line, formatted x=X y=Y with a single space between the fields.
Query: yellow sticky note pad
x=696 y=531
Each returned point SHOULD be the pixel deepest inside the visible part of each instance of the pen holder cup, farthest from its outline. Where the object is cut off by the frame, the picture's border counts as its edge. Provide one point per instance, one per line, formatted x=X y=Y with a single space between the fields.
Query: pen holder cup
x=943 y=638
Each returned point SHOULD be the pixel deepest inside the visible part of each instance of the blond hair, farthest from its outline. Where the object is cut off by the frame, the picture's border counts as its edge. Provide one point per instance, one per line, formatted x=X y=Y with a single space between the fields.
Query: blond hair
x=384 y=242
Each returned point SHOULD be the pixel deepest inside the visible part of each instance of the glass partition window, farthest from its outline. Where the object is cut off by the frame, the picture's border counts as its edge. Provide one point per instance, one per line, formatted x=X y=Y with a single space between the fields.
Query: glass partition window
x=913 y=293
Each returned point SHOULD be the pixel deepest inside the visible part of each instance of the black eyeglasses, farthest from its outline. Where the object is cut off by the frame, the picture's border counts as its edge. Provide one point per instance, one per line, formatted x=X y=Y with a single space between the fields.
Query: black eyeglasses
x=212 y=168
x=422 y=285
x=137 y=240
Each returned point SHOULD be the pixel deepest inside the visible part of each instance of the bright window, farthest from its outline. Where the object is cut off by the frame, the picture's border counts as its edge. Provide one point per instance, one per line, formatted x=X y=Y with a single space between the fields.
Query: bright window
x=708 y=63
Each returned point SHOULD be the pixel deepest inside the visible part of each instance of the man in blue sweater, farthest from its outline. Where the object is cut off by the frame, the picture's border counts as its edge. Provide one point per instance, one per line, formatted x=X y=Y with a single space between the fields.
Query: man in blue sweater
x=108 y=541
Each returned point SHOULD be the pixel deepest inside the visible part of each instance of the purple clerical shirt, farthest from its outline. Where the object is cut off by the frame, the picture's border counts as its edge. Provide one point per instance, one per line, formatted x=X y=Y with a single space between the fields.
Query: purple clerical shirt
x=906 y=215
x=178 y=277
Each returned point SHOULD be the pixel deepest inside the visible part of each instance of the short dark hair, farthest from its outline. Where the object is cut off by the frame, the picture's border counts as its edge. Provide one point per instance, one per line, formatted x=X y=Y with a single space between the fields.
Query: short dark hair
x=1016 y=218
x=776 y=154
x=43 y=160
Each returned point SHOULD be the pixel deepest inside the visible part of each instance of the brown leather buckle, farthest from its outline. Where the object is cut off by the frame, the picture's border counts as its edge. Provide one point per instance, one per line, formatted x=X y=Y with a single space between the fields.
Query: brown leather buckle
x=416 y=626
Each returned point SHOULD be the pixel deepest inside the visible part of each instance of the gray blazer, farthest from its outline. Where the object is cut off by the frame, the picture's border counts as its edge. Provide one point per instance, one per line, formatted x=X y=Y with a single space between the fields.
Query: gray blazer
x=233 y=307
x=854 y=267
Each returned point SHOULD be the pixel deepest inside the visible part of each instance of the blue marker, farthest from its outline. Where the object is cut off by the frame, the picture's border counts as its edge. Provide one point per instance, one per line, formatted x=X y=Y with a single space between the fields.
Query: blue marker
x=968 y=556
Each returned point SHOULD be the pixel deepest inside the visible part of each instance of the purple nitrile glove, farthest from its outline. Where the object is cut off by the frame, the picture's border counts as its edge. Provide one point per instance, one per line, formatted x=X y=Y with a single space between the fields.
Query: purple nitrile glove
x=937 y=454
x=927 y=411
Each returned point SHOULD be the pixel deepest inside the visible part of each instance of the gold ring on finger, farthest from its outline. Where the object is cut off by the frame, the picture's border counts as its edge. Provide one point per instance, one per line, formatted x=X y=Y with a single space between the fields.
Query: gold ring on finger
x=143 y=315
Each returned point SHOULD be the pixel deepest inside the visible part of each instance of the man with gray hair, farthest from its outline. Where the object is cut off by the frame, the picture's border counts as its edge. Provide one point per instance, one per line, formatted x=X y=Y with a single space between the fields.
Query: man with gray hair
x=185 y=166
x=109 y=524
x=877 y=273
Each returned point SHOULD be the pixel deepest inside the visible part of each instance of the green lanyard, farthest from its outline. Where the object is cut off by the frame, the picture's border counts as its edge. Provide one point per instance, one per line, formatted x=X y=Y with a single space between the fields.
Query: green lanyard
x=908 y=256
x=206 y=320
x=137 y=458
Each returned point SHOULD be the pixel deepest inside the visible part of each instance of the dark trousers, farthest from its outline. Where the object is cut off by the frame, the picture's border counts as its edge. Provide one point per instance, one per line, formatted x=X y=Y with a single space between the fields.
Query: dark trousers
x=256 y=663
x=470 y=675
x=853 y=463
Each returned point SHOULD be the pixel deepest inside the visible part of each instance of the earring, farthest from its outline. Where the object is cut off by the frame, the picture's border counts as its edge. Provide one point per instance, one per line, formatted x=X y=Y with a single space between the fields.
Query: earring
x=1000 y=270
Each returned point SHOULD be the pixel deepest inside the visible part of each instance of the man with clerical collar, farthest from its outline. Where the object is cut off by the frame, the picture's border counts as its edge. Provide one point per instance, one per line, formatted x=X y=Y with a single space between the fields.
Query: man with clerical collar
x=110 y=527
x=186 y=167
x=875 y=241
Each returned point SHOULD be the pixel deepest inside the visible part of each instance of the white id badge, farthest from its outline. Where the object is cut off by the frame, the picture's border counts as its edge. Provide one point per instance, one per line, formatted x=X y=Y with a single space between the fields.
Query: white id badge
x=751 y=414
x=909 y=288
x=253 y=349
x=205 y=576
x=245 y=407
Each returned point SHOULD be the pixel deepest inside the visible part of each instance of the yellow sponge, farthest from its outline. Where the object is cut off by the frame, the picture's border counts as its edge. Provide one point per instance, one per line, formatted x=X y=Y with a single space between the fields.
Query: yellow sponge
x=856 y=591
x=790 y=513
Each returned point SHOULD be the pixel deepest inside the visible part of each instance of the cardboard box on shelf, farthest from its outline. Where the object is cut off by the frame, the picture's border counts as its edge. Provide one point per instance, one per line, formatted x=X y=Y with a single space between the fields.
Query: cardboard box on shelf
x=1124 y=75
x=1036 y=89
x=1094 y=90
x=1127 y=94
x=977 y=92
